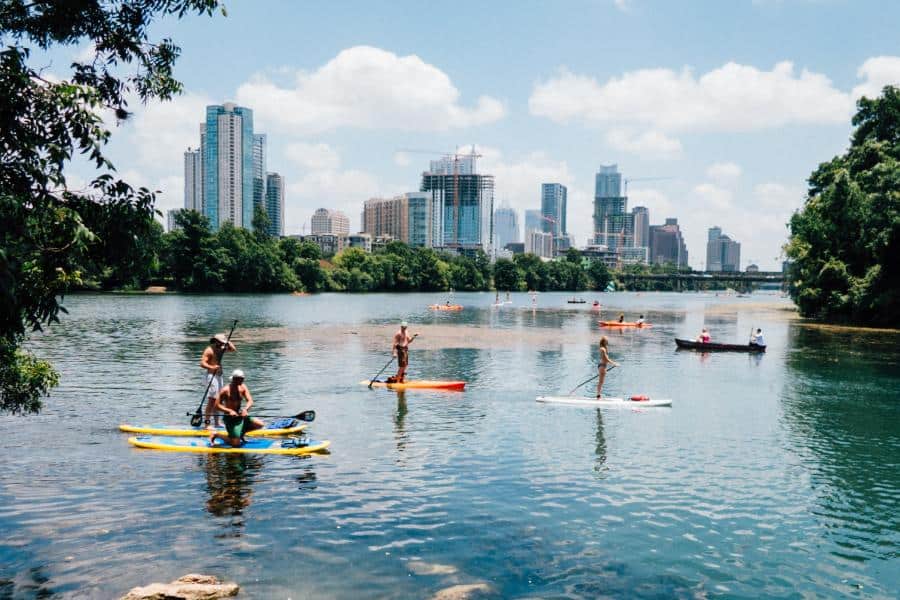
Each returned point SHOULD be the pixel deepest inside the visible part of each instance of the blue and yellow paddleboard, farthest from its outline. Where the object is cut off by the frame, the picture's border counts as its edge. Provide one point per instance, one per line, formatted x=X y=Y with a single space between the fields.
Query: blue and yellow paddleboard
x=254 y=446
x=175 y=430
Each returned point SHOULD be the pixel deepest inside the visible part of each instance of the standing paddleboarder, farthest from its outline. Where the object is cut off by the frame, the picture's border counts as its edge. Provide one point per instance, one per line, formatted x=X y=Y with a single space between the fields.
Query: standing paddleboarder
x=228 y=402
x=400 y=350
x=211 y=362
x=602 y=367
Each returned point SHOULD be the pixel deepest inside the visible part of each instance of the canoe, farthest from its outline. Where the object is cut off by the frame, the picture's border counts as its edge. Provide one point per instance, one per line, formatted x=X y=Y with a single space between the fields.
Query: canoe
x=624 y=324
x=175 y=430
x=252 y=446
x=573 y=301
x=424 y=384
x=445 y=307
x=606 y=402
x=710 y=346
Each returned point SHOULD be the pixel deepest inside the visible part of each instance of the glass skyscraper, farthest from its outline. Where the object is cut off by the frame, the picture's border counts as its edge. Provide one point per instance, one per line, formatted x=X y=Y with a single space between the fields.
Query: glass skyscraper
x=462 y=205
x=506 y=226
x=553 y=208
x=274 y=204
x=259 y=170
x=228 y=165
x=609 y=201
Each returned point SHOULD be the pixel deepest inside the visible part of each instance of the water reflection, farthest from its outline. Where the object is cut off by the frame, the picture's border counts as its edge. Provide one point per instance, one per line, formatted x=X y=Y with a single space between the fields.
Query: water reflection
x=400 y=422
x=600 y=447
x=229 y=483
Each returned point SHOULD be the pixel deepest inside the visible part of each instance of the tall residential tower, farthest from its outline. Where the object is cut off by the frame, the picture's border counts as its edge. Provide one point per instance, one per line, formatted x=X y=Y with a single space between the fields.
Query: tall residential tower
x=228 y=164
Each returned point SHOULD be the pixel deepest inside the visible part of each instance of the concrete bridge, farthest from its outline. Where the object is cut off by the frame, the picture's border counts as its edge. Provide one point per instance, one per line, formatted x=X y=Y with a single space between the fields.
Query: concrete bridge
x=739 y=280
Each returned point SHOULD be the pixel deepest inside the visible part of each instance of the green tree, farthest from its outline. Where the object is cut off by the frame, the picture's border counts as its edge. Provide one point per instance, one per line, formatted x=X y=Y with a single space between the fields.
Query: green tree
x=507 y=276
x=533 y=270
x=599 y=275
x=845 y=240
x=47 y=230
x=192 y=256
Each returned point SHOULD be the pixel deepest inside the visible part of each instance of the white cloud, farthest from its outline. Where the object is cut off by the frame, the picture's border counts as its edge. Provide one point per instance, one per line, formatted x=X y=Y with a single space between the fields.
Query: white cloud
x=312 y=156
x=402 y=159
x=622 y=5
x=732 y=97
x=368 y=88
x=162 y=131
x=877 y=72
x=650 y=144
x=658 y=203
x=723 y=172
x=712 y=196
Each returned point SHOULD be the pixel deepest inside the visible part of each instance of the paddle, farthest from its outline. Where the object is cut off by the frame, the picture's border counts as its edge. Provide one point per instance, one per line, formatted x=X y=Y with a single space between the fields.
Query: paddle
x=307 y=415
x=589 y=380
x=372 y=381
x=197 y=417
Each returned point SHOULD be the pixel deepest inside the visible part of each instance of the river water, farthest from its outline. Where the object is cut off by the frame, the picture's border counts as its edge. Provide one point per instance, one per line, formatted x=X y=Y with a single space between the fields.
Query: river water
x=770 y=476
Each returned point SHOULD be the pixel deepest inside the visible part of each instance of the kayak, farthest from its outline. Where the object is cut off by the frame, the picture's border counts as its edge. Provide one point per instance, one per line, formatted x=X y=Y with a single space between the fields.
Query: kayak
x=420 y=385
x=252 y=446
x=200 y=432
x=606 y=402
x=707 y=346
x=445 y=307
x=623 y=324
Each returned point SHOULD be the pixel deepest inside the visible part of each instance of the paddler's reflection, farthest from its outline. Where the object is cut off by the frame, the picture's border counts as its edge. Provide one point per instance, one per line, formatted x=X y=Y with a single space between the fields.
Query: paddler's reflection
x=600 y=449
x=229 y=483
x=400 y=421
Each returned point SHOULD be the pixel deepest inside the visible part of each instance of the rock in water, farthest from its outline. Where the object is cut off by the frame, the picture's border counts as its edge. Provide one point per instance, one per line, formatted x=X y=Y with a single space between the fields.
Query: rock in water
x=189 y=587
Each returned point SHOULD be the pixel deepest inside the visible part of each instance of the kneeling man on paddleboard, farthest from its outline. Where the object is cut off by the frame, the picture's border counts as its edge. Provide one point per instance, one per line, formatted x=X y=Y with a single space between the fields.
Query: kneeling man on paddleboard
x=228 y=402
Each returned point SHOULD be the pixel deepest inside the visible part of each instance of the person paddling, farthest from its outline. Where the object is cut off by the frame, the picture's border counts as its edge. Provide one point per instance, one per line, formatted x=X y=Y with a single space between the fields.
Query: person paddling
x=602 y=367
x=228 y=402
x=621 y=317
x=756 y=339
x=640 y=321
x=704 y=336
x=400 y=350
x=211 y=362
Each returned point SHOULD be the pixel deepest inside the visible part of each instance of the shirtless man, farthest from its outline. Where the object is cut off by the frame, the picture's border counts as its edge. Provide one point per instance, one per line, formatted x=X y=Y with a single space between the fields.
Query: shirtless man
x=211 y=362
x=401 y=351
x=228 y=402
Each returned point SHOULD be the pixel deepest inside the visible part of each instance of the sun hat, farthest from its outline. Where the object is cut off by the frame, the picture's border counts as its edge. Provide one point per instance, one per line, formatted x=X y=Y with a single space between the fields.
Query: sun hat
x=237 y=374
x=219 y=337
x=404 y=324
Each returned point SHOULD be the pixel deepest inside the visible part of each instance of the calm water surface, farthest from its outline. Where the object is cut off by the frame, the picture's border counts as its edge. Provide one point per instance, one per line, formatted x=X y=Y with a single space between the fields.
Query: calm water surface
x=771 y=475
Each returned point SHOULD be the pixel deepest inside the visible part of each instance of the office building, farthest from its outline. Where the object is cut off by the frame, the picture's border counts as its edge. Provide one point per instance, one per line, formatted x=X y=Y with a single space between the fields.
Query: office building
x=275 y=203
x=641 y=226
x=539 y=243
x=462 y=204
x=609 y=201
x=385 y=216
x=326 y=221
x=259 y=171
x=722 y=253
x=506 y=226
x=533 y=220
x=553 y=208
x=228 y=163
x=171 y=225
x=193 y=180
x=359 y=240
x=418 y=219
x=667 y=244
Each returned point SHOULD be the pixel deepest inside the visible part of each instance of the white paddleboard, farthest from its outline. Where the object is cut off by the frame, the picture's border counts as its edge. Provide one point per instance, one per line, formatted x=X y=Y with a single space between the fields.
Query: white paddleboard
x=605 y=402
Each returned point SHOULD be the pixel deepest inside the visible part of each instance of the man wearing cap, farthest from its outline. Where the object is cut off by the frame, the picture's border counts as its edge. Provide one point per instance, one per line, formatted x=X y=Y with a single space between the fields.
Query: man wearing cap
x=401 y=351
x=228 y=402
x=211 y=362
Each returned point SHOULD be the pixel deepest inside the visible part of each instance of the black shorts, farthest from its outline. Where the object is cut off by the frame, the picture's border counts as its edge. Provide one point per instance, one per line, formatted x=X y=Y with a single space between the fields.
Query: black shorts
x=402 y=356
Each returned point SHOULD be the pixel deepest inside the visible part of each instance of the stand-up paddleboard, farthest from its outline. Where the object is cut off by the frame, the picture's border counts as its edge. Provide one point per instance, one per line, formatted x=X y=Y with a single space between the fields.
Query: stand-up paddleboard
x=624 y=324
x=445 y=307
x=606 y=402
x=273 y=428
x=420 y=385
x=252 y=446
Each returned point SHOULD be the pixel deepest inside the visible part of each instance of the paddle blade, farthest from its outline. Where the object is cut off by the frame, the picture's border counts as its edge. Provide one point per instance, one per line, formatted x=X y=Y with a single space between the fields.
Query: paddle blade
x=307 y=415
x=196 y=419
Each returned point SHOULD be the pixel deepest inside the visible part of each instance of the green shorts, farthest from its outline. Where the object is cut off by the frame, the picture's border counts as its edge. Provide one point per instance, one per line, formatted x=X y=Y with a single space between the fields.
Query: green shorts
x=235 y=426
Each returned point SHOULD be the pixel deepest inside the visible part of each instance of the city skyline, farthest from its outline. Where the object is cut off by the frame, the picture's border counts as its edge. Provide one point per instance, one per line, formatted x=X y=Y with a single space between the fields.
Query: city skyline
x=737 y=127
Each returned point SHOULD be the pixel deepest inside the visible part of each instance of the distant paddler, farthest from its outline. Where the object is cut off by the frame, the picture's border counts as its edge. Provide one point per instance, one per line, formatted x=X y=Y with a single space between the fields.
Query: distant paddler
x=756 y=339
x=237 y=421
x=603 y=366
x=211 y=362
x=400 y=350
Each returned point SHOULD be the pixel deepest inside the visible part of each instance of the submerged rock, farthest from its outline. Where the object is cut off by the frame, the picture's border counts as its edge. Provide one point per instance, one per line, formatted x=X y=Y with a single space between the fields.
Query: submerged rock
x=463 y=591
x=188 y=587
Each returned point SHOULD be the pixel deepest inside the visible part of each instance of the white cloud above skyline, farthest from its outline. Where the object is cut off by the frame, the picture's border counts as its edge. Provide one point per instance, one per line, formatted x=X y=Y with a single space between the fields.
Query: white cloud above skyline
x=368 y=88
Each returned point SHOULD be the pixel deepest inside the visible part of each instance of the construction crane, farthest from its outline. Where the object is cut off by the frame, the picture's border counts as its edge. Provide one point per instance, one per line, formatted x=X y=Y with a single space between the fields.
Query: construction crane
x=455 y=156
x=629 y=179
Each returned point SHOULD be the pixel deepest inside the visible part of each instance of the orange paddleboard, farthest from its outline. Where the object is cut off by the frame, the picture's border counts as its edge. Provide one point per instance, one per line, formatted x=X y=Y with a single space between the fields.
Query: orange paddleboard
x=420 y=385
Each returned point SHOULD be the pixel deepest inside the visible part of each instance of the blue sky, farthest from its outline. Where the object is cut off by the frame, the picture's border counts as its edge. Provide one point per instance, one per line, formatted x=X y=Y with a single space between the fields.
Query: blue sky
x=735 y=102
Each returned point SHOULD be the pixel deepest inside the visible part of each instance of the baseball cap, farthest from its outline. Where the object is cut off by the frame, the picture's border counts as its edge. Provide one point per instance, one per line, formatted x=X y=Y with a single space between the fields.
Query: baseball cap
x=237 y=374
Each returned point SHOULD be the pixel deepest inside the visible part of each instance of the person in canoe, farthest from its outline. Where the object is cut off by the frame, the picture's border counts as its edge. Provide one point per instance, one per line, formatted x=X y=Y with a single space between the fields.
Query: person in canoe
x=602 y=367
x=400 y=350
x=621 y=317
x=211 y=363
x=704 y=337
x=756 y=339
x=640 y=321
x=237 y=421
